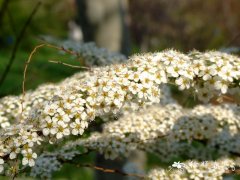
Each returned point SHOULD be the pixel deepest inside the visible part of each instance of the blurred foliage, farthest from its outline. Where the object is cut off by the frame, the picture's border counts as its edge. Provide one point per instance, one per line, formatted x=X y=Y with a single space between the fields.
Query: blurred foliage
x=39 y=70
x=70 y=171
x=185 y=24
x=51 y=19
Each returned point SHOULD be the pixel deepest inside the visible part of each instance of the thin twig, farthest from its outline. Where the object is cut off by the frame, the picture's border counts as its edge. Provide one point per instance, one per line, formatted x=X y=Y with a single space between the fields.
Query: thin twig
x=226 y=98
x=15 y=170
x=33 y=52
x=233 y=170
x=63 y=49
x=18 y=41
x=106 y=170
x=233 y=40
x=25 y=71
x=30 y=58
x=70 y=65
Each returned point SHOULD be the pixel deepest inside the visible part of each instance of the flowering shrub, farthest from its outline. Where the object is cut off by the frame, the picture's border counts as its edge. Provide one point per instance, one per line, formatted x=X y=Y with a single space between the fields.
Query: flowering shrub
x=127 y=90
x=194 y=170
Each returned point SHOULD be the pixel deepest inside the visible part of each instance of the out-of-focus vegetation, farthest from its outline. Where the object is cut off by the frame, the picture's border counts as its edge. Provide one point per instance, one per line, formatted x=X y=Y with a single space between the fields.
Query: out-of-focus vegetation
x=51 y=19
x=40 y=69
x=154 y=25
x=185 y=24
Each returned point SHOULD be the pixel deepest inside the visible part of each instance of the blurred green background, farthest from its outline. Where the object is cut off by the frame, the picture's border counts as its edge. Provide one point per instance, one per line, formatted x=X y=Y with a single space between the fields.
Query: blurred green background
x=127 y=26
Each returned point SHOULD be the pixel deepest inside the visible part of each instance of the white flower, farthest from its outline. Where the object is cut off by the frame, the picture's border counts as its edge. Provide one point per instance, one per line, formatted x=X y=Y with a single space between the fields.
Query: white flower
x=84 y=116
x=133 y=87
x=170 y=58
x=49 y=127
x=227 y=74
x=197 y=66
x=28 y=158
x=78 y=127
x=206 y=73
x=61 y=130
x=91 y=114
x=174 y=71
x=143 y=91
x=221 y=85
x=50 y=109
x=14 y=152
x=210 y=84
x=188 y=73
x=1 y=165
x=146 y=79
x=61 y=117
x=31 y=137
x=117 y=97
x=160 y=77
x=134 y=76
x=183 y=83
x=178 y=165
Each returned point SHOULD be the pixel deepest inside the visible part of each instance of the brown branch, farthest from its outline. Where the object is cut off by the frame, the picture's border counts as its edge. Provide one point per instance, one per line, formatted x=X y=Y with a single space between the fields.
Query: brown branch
x=30 y=59
x=226 y=98
x=18 y=41
x=106 y=170
x=233 y=40
x=34 y=51
x=15 y=170
x=233 y=170
x=69 y=65
x=25 y=71
x=63 y=49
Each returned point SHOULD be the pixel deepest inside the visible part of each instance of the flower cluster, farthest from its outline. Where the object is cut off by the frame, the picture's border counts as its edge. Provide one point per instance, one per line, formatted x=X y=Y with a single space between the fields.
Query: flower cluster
x=168 y=131
x=74 y=105
x=56 y=111
x=91 y=55
x=209 y=73
x=48 y=163
x=194 y=170
x=15 y=109
x=45 y=166
x=146 y=130
x=9 y=110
